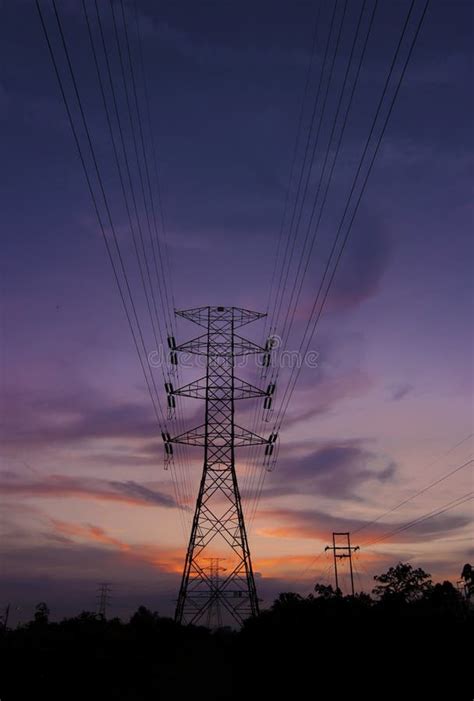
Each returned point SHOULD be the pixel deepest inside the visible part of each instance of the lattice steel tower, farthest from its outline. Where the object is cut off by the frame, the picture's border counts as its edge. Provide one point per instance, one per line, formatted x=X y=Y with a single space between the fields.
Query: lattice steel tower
x=218 y=528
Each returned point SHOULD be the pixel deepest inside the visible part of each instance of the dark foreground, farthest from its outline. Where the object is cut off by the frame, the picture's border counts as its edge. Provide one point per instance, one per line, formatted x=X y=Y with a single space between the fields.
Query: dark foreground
x=321 y=647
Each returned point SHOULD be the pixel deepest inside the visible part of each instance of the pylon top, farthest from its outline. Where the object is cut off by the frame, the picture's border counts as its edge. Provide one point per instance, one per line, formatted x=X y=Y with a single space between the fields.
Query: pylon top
x=202 y=315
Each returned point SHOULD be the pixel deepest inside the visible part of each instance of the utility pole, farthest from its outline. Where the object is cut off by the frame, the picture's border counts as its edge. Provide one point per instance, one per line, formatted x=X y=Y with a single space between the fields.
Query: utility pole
x=218 y=525
x=340 y=552
x=103 y=598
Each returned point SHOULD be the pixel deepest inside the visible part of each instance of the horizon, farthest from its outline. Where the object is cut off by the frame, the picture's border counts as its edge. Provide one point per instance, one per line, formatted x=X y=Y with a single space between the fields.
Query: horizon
x=383 y=403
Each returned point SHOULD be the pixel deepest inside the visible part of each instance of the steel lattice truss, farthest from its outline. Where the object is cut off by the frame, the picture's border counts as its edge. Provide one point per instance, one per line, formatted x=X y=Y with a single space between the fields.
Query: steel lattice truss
x=218 y=519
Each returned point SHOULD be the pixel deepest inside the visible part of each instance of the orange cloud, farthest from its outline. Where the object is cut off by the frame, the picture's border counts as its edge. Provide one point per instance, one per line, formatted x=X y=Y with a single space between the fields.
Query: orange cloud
x=165 y=559
x=317 y=525
x=281 y=564
x=52 y=486
x=89 y=532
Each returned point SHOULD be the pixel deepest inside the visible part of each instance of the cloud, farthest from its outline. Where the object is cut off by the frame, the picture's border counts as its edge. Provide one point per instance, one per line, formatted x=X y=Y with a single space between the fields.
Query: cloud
x=333 y=469
x=321 y=392
x=89 y=532
x=51 y=486
x=362 y=266
x=56 y=419
x=60 y=535
x=46 y=418
x=320 y=525
x=197 y=47
x=399 y=391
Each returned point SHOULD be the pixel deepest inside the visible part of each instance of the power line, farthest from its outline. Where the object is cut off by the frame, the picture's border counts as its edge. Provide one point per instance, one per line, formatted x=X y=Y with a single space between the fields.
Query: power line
x=313 y=154
x=155 y=164
x=182 y=498
x=137 y=158
x=185 y=468
x=155 y=402
x=140 y=347
x=295 y=375
x=306 y=257
x=291 y=240
x=251 y=463
x=285 y=333
x=293 y=164
x=183 y=493
x=416 y=494
x=119 y=168
x=145 y=160
x=436 y=512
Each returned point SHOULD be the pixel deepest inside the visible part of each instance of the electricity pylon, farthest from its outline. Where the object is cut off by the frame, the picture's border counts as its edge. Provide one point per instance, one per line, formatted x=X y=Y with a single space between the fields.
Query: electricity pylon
x=214 y=611
x=218 y=526
x=103 y=598
x=340 y=552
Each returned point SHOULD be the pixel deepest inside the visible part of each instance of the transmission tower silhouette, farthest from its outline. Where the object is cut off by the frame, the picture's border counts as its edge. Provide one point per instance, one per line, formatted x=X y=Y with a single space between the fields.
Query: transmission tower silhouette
x=214 y=610
x=103 y=598
x=340 y=552
x=218 y=525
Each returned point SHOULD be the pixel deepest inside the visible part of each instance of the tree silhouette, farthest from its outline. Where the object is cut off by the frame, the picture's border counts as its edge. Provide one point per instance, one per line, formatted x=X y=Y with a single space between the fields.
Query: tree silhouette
x=402 y=583
x=143 y=618
x=325 y=591
x=467 y=575
x=42 y=613
x=409 y=627
x=286 y=600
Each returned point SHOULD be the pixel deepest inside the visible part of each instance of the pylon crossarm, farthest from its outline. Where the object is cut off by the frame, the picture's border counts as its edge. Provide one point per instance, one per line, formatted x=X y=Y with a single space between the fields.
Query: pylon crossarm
x=236 y=315
x=244 y=390
x=242 y=346
x=243 y=437
x=198 y=346
x=196 y=436
x=197 y=390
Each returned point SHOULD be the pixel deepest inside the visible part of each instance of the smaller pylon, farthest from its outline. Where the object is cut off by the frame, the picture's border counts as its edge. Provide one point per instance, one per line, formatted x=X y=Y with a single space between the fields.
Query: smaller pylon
x=103 y=598
x=347 y=550
x=214 y=613
x=4 y=617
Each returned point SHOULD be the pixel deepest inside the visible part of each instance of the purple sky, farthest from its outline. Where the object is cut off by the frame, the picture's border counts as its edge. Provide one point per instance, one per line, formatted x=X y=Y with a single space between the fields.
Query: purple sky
x=84 y=494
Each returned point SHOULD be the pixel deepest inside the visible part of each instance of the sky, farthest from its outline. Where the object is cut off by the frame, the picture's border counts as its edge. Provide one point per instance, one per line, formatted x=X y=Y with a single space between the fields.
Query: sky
x=385 y=410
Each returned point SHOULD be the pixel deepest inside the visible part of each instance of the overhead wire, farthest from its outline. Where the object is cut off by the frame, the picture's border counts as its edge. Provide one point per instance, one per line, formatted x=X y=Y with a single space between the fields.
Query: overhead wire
x=182 y=456
x=313 y=159
x=145 y=183
x=138 y=338
x=458 y=501
x=155 y=165
x=291 y=239
x=315 y=316
x=183 y=497
x=253 y=451
x=307 y=256
x=167 y=282
x=416 y=494
x=154 y=397
x=293 y=231
x=166 y=306
x=293 y=164
x=294 y=375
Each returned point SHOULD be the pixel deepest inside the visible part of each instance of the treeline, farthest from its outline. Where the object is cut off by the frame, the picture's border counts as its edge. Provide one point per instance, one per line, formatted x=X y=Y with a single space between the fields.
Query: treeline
x=411 y=639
